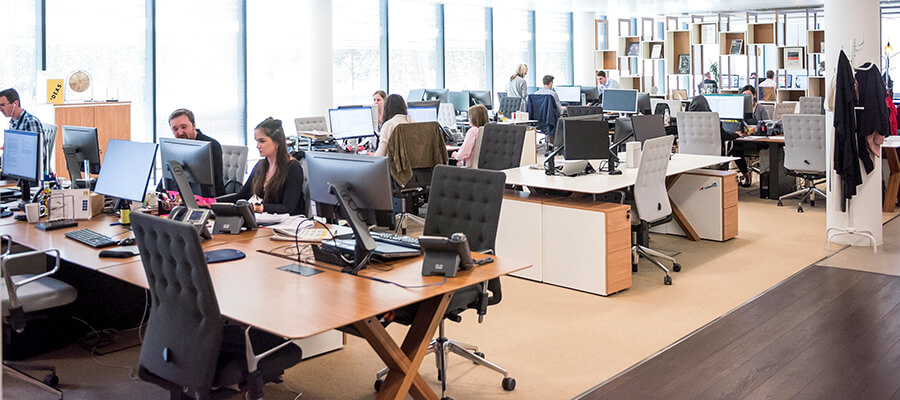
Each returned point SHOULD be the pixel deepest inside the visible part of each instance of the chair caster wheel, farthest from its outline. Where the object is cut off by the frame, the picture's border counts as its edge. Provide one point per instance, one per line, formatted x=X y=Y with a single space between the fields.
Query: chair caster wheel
x=812 y=203
x=479 y=354
x=667 y=280
x=800 y=209
x=676 y=267
x=633 y=267
x=378 y=383
x=446 y=398
x=51 y=380
x=509 y=384
x=780 y=203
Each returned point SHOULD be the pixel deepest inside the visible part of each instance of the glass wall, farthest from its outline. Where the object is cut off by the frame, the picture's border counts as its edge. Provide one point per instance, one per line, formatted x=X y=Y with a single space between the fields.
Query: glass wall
x=18 y=51
x=464 y=47
x=356 y=30
x=553 y=42
x=512 y=43
x=413 y=41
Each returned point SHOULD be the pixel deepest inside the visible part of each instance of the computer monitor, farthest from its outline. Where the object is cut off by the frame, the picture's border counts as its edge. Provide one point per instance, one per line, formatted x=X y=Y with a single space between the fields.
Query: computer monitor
x=591 y=94
x=585 y=139
x=22 y=159
x=729 y=106
x=416 y=95
x=126 y=169
x=530 y=89
x=187 y=168
x=352 y=180
x=748 y=103
x=643 y=103
x=620 y=100
x=80 y=144
x=569 y=94
x=482 y=97
x=789 y=81
x=436 y=94
x=348 y=123
x=423 y=114
x=647 y=127
x=460 y=101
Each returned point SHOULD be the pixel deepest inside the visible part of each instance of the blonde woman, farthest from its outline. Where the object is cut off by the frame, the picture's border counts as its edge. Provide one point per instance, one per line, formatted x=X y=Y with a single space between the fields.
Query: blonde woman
x=517 y=86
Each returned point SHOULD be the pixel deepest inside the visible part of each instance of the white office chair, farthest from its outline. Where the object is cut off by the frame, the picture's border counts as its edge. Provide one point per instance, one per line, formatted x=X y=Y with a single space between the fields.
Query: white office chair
x=651 y=203
x=476 y=152
x=311 y=124
x=447 y=116
x=810 y=105
x=699 y=133
x=804 y=154
x=784 y=108
x=49 y=139
x=234 y=166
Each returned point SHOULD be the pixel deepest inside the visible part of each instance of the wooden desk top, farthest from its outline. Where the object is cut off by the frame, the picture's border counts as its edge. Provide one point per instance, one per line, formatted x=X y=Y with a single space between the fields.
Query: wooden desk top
x=762 y=139
x=253 y=291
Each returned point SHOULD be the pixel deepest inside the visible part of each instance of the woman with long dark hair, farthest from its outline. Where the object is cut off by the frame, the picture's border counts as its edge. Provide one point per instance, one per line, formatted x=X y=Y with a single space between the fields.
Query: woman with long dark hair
x=276 y=183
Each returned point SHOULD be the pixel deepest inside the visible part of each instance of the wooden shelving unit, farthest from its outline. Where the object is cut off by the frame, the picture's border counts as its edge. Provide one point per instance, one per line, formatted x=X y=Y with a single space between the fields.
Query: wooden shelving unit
x=816 y=86
x=725 y=39
x=781 y=57
x=625 y=42
x=761 y=33
x=677 y=42
x=697 y=36
x=787 y=95
x=630 y=82
x=647 y=49
x=814 y=41
x=605 y=60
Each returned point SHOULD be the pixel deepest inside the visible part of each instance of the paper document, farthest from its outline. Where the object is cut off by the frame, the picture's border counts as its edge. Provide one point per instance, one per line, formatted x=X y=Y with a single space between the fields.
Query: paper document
x=270 y=219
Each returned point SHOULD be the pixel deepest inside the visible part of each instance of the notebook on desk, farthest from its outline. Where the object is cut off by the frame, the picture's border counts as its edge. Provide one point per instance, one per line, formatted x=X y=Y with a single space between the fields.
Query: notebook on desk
x=385 y=251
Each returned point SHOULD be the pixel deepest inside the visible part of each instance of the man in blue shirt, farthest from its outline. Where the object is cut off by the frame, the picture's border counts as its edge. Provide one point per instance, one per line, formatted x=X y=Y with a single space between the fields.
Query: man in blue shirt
x=20 y=120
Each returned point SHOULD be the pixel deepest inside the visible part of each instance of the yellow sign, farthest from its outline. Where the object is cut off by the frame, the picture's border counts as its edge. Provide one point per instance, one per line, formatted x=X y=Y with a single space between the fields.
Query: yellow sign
x=55 y=91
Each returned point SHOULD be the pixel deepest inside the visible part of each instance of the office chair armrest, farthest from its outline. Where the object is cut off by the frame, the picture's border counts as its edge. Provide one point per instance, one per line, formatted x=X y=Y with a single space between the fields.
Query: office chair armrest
x=8 y=244
x=16 y=313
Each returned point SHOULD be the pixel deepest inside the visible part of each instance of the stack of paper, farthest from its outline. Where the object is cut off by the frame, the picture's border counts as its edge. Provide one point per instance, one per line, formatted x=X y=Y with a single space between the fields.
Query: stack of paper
x=299 y=228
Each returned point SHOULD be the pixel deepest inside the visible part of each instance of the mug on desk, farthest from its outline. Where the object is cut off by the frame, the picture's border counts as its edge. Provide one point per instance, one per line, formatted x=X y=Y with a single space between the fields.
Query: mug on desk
x=33 y=212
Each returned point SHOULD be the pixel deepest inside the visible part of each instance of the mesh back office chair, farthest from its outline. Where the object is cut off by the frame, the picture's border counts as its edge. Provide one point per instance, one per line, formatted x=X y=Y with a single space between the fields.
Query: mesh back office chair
x=467 y=201
x=307 y=124
x=188 y=348
x=234 y=166
x=501 y=146
x=784 y=108
x=810 y=105
x=651 y=202
x=804 y=154
x=49 y=139
x=699 y=133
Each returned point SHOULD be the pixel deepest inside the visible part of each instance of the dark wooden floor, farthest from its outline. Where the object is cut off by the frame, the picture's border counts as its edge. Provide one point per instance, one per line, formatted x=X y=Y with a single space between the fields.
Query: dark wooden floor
x=826 y=333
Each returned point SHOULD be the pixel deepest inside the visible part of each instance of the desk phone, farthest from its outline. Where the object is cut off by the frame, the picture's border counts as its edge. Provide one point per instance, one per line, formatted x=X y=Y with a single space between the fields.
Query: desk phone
x=197 y=217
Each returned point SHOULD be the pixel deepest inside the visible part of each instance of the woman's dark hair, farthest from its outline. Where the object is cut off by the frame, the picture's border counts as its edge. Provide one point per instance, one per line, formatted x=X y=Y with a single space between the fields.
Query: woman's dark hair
x=273 y=129
x=394 y=105
x=699 y=103
x=751 y=89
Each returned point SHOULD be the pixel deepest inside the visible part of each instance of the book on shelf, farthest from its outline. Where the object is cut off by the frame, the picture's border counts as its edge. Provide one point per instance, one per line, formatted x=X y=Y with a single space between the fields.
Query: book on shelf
x=656 y=50
x=634 y=49
x=736 y=46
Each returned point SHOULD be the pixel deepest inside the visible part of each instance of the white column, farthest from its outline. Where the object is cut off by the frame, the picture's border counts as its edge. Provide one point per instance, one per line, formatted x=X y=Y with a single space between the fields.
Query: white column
x=317 y=97
x=844 y=22
x=583 y=48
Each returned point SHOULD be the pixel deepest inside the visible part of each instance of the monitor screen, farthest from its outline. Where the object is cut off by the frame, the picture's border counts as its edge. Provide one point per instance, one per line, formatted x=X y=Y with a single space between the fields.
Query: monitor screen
x=729 y=106
x=86 y=144
x=620 y=100
x=349 y=123
x=21 y=155
x=416 y=95
x=422 y=114
x=569 y=94
x=585 y=139
x=436 y=94
x=647 y=127
x=126 y=169
x=591 y=93
x=643 y=103
x=482 y=97
x=460 y=101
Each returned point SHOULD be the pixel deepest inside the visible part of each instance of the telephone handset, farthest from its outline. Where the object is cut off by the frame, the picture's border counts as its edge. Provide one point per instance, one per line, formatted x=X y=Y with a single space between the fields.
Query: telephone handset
x=445 y=256
x=194 y=216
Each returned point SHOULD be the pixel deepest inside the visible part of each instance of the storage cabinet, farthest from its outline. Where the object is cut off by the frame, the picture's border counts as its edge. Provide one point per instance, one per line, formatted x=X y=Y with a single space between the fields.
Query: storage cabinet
x=112 y=120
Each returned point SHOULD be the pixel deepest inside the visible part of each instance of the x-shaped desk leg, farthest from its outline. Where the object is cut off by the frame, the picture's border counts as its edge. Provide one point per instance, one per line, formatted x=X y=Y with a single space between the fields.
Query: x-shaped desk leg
x=679 y=217
x=404 y=361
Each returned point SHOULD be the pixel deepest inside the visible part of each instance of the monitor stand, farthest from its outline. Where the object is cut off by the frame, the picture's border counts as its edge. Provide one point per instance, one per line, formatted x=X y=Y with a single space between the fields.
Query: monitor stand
x=74 y=172
x=184 y=188
x=365 y=245
x=550 y=161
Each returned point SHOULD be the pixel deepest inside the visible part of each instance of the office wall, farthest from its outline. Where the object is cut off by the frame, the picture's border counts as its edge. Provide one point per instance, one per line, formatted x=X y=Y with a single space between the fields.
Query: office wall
x=583 y=48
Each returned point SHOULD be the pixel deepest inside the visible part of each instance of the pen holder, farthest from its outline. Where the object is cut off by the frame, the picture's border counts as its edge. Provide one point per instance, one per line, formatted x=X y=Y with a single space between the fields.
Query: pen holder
x=632 y=154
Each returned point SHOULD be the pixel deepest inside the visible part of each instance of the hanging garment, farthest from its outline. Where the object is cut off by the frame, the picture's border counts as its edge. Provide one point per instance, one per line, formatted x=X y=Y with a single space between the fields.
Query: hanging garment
x=845 y=142
x=892 y=111
x=873 y=121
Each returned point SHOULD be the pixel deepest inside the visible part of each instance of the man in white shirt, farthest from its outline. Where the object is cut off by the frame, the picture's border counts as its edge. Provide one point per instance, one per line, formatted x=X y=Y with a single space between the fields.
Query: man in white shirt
x=770 y=80
x=603 y=82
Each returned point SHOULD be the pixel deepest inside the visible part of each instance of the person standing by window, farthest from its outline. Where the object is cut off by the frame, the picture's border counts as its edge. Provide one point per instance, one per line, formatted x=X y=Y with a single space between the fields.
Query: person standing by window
x=517 y=86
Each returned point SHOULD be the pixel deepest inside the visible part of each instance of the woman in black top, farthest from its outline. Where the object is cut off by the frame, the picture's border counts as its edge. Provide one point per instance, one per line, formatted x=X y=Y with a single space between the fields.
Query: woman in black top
x=700 y=103
x=276 y=182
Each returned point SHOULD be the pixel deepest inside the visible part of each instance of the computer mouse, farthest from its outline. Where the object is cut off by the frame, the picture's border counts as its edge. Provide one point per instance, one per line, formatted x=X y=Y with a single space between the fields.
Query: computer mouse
x=6 y=213
x=126 y=242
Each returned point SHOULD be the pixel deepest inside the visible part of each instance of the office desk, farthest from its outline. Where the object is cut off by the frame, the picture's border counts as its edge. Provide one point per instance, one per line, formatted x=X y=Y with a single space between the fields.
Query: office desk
x=774 y=181
x=890 y=149
x=254 y=292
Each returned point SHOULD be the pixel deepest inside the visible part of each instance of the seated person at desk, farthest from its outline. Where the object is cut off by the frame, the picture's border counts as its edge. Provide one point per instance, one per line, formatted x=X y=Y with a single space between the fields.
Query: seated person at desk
x=19 y=119
x=394 y=113
x=276 y=183
x=548 y=89
x=604 y=82
x=478 y=117
x=183 y=127
x=378 y=98
x=700 y=103
x=759 y=113
x=709 y=85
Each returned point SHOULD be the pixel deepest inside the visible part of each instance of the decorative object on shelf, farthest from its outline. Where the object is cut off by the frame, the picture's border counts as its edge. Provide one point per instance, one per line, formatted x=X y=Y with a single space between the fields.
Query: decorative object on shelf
x=684 y=64
x=736 y=46
x=634 y=49
x=656 y=50
x=793 y=58
x=80 y=86
x=679 y=94
x=55 y=91
x=708 y=34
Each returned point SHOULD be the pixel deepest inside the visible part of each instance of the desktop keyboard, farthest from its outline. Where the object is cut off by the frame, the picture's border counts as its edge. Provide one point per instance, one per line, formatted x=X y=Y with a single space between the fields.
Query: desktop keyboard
x=54 y=225
x=91 y=238
x=404 y=241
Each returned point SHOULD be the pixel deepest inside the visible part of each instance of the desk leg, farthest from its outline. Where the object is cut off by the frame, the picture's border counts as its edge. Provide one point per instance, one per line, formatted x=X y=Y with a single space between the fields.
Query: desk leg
x=404 y=361
x=678 y=216
x=893 y=187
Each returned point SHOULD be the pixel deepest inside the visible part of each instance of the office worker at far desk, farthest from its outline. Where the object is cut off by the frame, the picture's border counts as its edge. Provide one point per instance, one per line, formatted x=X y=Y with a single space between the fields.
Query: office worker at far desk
x=548 y=89
x=604 y=82
x=394 y=114
x=276 y=183
x=478 y=117
x=184 y=127
x=378 y=98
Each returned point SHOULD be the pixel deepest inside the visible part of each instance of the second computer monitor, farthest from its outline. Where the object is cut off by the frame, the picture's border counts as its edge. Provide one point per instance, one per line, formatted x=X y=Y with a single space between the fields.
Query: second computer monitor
x=729 y=106
x=647 y=127
x=423 y=114
x=85 y=142
x=195 y=156
x=126 y=169
x=460 y=101
x=21 y=155
x=643 y=103
x=482 y=97
x=436 y=94
x=355 y=122
x=591 y=94
x=367 y=178
x=585 y=139
x=569 y=94
x=620 y=101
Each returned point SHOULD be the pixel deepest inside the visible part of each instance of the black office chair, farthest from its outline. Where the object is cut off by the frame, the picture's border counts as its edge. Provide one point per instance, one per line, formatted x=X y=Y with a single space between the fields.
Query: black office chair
x=414 y=148
x=509 y=105
x=501 y=146
x=189 y=348
x=577 y=111
x=468 y=201
x=661 y=109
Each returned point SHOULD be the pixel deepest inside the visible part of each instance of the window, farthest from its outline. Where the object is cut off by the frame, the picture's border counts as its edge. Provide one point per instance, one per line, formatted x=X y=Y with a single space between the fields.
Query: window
x=199 y=65
x=512 y=41
x=553 y=42
x=464 y=47
x=356 y=40
x=18 y=52
x=413 y=46
x=117 y=64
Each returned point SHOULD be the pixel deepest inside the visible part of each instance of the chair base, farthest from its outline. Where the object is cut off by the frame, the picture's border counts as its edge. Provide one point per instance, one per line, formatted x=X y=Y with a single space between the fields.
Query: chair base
x=807 y=192
x=48 y=384
x=652 y=255
x=403 y=222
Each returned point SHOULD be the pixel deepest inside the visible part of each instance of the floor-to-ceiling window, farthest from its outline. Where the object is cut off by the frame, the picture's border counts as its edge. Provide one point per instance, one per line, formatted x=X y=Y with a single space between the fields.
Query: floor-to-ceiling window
x=512 y=43
x=17 y=50
x=464 y=47
x=356 y=40
x=413 y=46
x=553 y=37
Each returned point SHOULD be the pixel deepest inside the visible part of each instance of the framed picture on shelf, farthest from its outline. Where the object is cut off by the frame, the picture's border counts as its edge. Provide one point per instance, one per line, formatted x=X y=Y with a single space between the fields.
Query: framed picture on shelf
x=679 y=94
x=793 y=58
x=736 y=46
x=656 y=50
x=708 y=34
x=684 y=64
x=634 y=49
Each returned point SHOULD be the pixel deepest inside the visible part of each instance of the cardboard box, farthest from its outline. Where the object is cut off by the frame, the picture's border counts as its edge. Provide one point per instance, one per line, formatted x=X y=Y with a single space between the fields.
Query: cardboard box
x=79 y=204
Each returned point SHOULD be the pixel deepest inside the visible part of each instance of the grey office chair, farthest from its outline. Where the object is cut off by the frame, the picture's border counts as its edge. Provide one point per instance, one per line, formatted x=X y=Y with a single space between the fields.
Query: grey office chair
x=188 y=348
x=577 y=111
x=25 y=295
x=49 y=139
x=501 y=146
x=476 y=152
x=447 y=116
x=311 y=124
x=509 y=105
x=784 y=108
x=467 y=201
x=810 y=105
x=804 y=154
x=234 y=166
x=651 y=205
x=699 y=133
x=770 y=109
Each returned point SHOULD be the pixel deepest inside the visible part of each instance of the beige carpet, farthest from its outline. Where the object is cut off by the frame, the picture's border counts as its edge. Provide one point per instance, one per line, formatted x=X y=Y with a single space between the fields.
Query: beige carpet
x=556 y=342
